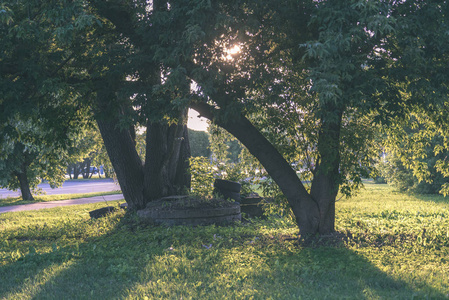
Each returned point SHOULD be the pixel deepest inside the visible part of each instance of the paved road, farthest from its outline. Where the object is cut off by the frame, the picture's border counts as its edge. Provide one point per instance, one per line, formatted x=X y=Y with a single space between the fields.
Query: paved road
x=72 y=187
x=51 y=204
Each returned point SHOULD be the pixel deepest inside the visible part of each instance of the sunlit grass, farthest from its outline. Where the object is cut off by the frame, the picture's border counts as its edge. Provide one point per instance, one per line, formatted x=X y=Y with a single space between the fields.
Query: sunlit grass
x=404 y=235
x=46 y=198
x=62 y=254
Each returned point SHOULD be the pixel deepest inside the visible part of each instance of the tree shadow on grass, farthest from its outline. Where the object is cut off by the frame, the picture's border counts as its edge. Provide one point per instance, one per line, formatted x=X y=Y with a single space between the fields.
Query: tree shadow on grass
x=204 y=263
x=75 y=271
x=339 y=273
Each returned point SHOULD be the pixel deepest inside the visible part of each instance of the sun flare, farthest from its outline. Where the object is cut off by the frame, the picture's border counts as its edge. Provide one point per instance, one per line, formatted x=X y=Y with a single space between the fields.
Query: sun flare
x=230 y=52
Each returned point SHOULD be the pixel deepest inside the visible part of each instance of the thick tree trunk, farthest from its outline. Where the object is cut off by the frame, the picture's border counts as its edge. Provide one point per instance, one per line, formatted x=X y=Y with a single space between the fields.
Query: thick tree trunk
x=125 y=161
x=166 y=162
x=303 y=205
x=165 y=171
x=326 y=179
x=24 y=183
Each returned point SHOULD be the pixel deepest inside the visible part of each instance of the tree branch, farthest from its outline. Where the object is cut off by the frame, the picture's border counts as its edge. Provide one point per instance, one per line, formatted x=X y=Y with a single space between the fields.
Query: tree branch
x=275 y=164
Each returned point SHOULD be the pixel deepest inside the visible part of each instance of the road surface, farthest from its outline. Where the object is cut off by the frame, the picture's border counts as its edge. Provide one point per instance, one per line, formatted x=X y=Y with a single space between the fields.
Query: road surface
x=72 y=187
x=51 y=204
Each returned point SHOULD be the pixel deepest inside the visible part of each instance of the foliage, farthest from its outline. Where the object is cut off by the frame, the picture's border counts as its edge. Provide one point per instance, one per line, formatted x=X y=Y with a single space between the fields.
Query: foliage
x=199 y=143
x=386 y=239
x=417 y=155
x=403 y=178
x=221 y=165
x=202 y=172
x=25 y=149
x=34 y=39
x=277 y=204
x=40 y=112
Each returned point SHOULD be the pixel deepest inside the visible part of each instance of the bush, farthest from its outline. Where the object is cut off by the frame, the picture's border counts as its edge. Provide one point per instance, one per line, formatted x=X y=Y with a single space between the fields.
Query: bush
x=202 y=173
x=404 y=179
x=199 y=143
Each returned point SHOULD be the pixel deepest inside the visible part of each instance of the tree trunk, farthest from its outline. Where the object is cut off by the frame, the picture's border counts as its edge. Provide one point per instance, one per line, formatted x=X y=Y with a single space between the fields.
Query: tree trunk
x=165 y=170
x=166 y=161
x=127 y=164
x=24 y=183
x=76 y=171
x=326 y=179
x=69 y=171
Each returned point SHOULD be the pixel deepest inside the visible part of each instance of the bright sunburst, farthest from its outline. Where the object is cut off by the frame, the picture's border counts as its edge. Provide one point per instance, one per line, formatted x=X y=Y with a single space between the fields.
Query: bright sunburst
x=230 y=52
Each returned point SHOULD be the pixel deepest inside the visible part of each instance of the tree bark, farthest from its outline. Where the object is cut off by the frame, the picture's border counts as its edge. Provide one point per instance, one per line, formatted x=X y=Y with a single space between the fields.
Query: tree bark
x=326 y=179
x=76 y=170
x=127 y=164
x=166 y=162
x=24 y=183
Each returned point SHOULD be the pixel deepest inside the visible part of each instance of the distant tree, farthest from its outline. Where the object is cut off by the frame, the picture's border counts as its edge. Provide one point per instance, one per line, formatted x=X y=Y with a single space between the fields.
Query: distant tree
x=89 y=147
x=40 y=113
x=417 y=156
x=199 y=143
x=27 y=157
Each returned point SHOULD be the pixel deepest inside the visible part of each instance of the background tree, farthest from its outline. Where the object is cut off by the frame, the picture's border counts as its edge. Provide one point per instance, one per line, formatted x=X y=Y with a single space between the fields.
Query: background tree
x=417 y=156
x=90 y=155
x=199 y=143
x=39 y=112
x=28 y=156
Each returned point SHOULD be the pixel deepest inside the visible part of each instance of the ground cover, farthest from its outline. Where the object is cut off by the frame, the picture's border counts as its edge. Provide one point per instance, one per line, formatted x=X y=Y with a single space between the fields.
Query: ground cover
x=46 y=198
x=388 y=246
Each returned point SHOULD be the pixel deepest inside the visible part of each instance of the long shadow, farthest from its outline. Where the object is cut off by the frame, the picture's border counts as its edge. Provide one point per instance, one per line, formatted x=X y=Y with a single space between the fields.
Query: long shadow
x=18 y=279
x=340 y=273
x=113 y=266
x=74 y=272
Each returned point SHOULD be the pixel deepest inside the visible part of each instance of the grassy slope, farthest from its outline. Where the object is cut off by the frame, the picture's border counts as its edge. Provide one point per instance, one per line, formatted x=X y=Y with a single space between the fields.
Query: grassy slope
x=60 y=253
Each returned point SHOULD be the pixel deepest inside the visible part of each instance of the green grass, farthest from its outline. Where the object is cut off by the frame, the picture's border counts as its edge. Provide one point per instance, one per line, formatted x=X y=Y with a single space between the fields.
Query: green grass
x=61 y=254
x=45 y=198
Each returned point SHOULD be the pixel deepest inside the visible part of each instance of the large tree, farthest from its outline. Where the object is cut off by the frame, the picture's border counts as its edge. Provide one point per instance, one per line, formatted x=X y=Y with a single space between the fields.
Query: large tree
x=127 y=90
x=309 y=79
x=336 y=80
x=314 y=75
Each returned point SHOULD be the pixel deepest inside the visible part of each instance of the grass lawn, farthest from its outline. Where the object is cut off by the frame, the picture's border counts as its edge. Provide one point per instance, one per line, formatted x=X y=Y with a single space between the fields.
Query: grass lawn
x=395 y=247
x=45 y=198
